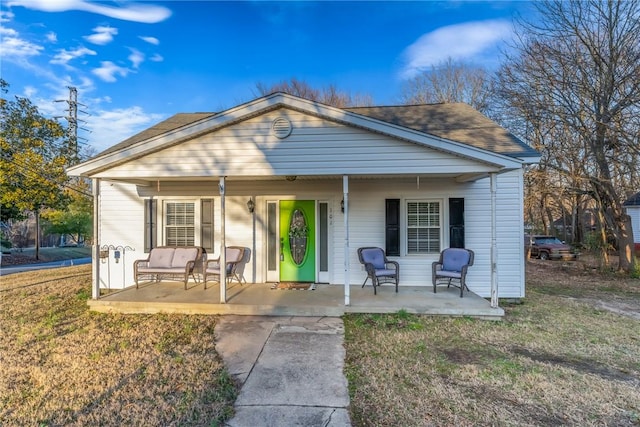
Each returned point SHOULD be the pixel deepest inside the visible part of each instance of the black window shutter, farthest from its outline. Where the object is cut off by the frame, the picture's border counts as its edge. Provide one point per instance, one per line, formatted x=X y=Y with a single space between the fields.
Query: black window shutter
x=392 y=227
x=150 y=218
x=456 y=222
x=206 y=225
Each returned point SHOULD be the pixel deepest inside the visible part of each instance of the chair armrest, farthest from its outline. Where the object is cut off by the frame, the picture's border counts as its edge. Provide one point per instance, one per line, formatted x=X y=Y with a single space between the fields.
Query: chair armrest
x=395 y=263
x=463 y=271
x=141 y=263
x=210 y=262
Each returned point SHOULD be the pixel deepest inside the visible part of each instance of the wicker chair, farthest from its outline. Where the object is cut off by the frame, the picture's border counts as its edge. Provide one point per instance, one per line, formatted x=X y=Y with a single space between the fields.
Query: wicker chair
x=379 y=268
x=234 y=258
x=452 y=268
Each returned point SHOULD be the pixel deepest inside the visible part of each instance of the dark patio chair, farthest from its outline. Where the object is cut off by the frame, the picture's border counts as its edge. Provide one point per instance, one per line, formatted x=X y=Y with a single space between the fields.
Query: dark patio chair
x=379 y=268
x=452 y=268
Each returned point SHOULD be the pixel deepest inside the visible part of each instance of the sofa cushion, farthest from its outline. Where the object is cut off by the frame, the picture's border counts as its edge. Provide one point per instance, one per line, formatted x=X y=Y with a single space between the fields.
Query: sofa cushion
x=183 y=255
x=164 y=270
x=161 y=257
x=234 y=254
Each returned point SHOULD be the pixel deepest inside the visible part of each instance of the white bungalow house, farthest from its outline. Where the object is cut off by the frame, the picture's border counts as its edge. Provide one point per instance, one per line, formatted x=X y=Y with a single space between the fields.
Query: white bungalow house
x=632 y=206
x=412 y=180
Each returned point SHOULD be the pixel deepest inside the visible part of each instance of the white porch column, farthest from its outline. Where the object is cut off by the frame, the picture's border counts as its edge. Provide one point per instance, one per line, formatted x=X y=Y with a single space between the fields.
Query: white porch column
x=494 y=247
x=95 y=261
x=223 y=245
x=345 y=195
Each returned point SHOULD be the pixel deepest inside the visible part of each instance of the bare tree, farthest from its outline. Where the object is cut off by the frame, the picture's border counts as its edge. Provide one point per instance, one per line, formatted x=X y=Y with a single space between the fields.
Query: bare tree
x=329 y=95
x=448 y=82
x=576 y=72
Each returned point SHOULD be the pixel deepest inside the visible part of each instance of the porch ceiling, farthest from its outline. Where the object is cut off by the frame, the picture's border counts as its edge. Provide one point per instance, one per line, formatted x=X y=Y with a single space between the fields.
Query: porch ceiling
x=401 y=177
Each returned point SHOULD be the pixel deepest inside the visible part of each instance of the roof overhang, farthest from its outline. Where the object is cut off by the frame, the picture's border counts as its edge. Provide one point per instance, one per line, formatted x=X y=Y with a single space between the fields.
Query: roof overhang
x=102 y=163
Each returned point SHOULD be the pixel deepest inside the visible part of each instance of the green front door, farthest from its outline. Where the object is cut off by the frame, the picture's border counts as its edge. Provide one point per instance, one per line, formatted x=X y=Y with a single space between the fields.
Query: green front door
x=297 y=241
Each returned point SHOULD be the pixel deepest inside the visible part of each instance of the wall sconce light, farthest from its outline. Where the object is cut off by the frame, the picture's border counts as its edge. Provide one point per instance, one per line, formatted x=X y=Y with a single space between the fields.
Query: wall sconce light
x=342 y=205
x=291 y=178
x=251 y=206
x=116 y=255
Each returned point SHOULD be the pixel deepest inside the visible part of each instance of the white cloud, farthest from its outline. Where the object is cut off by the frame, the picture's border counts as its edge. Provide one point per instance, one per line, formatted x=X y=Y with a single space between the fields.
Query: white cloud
x=15 y=48
x=136 y=57
x=464 y=42
x=109 y=127
x=6 y=16
x=63 y=57
x=156 y=58
x=102 y=35
x=108 y=71
x=150 y=40
x=8 y=32
x=145 y=13
x=52 y=37
x=30 y=91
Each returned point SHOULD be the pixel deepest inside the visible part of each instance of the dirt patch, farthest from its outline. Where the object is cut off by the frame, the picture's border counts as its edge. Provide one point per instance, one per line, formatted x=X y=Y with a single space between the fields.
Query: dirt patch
x=584 y=281
x=585 y=365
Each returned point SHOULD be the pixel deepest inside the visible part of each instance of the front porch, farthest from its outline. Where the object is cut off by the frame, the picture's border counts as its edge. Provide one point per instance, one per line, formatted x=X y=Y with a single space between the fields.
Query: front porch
x=260 y=299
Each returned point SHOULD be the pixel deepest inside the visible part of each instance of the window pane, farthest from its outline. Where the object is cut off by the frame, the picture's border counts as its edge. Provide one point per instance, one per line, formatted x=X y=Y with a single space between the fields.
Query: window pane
x=272 y=237
x=423 y=227
x=180 y=224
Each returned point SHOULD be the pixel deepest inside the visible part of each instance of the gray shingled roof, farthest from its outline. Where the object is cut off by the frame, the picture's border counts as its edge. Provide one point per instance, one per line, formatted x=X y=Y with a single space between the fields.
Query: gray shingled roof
x=456 y=121
x=174 y=122
x=633 y=200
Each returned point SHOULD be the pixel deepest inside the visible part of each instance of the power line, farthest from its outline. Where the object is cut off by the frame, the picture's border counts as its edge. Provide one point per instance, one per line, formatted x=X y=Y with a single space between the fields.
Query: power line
x=41 y=175
x=72 y=120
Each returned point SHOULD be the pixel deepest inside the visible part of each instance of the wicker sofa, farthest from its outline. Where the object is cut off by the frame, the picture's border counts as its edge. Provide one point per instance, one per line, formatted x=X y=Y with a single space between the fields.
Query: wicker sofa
x=169 y=262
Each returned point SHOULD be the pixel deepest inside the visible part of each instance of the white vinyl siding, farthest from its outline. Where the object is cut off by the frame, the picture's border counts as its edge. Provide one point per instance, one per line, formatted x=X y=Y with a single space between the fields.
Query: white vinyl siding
x=317 y=146
x=179 y=223
x=424 y=227
x=634 y=213
x=122 y=214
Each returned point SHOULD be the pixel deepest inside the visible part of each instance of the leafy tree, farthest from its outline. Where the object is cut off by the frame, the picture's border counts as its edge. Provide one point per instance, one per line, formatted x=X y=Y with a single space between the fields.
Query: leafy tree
x=76 y=219
x=449 y=82
x=32 y=161
x=329 y=95
x=574 y=79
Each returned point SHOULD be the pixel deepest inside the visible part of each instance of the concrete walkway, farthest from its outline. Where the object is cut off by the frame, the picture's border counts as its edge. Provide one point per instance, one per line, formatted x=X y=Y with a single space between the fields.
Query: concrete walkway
x=290 y=370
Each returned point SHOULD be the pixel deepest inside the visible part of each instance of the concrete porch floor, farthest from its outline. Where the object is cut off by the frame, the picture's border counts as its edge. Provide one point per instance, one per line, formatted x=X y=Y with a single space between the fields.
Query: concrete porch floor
x=260 y=299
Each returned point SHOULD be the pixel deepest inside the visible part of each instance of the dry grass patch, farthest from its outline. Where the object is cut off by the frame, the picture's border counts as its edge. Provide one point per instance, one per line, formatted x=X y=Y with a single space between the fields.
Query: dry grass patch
x=63 y=365
x=556 y=359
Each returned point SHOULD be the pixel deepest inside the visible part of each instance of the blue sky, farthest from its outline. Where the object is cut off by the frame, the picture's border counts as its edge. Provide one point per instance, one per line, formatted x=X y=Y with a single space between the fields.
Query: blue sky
x=136 y=63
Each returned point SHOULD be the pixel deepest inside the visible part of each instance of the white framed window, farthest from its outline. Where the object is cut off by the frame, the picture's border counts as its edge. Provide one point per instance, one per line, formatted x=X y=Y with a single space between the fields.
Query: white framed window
x=179 y=223
x=424 y=226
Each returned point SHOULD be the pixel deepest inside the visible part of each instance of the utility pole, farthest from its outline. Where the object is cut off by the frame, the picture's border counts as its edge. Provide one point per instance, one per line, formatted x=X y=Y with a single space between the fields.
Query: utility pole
x=72 y=122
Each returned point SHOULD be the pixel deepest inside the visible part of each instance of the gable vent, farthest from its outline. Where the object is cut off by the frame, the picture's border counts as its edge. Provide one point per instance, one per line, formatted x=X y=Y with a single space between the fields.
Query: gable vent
x=281 y=127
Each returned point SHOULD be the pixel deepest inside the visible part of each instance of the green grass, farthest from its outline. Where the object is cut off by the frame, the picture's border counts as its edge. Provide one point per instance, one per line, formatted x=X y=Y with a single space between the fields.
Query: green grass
x=555 y=359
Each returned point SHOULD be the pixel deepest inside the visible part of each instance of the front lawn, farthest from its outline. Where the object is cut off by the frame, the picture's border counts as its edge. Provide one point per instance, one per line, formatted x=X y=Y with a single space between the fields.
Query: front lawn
x=569 y=355
x=63 y=365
